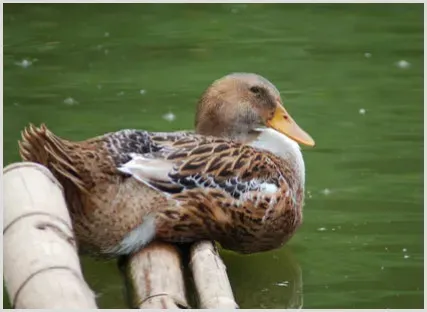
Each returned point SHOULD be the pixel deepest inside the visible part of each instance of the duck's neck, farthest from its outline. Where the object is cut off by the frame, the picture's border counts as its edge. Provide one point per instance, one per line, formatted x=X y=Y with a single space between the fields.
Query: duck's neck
x=283 y=147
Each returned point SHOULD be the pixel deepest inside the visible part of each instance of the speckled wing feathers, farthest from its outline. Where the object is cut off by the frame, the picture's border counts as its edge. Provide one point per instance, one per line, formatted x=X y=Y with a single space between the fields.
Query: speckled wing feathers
x=206 y=162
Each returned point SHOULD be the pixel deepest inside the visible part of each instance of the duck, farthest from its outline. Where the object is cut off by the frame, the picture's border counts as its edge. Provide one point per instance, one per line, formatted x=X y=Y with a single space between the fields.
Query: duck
x=238 y=179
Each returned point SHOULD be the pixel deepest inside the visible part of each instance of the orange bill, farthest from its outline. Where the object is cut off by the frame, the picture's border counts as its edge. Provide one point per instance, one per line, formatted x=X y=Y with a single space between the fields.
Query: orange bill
x=284 y=123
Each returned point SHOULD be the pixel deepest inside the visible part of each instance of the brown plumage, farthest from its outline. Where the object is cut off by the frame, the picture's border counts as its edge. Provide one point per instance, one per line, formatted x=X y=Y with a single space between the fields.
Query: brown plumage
x=124 y=189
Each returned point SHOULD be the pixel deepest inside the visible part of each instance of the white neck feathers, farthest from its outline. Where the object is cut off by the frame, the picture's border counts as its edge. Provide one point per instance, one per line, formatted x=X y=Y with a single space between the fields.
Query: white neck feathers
x=283 y=147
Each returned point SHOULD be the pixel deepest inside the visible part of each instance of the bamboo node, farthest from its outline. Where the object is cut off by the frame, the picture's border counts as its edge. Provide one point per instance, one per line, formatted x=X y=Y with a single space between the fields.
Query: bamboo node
x=35 y=213
x=30 y=277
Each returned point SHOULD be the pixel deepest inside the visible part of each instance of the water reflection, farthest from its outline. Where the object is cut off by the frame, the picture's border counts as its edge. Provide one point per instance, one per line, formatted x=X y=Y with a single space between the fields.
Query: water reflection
x=292 y=291
x=280 y=287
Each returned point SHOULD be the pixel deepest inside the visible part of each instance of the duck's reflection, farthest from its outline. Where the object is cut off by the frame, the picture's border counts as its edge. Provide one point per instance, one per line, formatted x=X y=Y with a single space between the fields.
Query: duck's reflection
x=266 y=280
x=294 y=293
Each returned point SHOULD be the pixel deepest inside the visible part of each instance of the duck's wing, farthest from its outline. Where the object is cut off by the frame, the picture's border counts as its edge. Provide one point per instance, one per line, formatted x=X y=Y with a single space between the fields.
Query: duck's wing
x=83 y=163
x=195 y=161
x=122 y=144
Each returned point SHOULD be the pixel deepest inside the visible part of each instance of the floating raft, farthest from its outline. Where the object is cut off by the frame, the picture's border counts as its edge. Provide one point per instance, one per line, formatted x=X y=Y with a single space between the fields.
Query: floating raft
x=42 y=268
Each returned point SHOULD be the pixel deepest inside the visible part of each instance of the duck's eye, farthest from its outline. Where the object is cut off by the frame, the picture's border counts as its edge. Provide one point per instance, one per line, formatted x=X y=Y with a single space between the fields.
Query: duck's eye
x=255 y=90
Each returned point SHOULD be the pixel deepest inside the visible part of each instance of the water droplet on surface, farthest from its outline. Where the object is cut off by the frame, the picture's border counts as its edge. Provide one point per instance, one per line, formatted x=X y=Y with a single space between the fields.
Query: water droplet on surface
x=362 y=111
x=142 y=91
x=404 y=250
x=326 y=191
x=70 y=101
x=406 y=256
x=169 y=116
x=24 y=63
x=282 y=284
x=367 y=54
x=321 y=229
x=403 y=64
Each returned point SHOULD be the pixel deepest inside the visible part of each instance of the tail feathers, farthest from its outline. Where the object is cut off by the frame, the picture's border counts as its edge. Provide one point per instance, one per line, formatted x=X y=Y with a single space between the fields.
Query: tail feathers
x=41 y=146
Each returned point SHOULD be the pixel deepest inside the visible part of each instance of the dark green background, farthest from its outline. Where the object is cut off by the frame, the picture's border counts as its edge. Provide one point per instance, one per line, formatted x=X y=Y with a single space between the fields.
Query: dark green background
x=361 y=244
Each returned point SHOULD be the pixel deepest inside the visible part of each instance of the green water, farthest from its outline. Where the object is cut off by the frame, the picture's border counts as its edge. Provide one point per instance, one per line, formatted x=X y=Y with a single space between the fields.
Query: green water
x=361 y=244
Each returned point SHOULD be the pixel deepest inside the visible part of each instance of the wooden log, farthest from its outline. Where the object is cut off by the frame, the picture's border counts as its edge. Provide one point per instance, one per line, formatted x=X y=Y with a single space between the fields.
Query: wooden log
x=210 y=277
x=155 y=277
x=40 y=261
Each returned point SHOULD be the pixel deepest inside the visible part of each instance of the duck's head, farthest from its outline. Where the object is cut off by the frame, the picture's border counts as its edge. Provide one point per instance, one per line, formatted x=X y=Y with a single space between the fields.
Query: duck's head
x=236 y=105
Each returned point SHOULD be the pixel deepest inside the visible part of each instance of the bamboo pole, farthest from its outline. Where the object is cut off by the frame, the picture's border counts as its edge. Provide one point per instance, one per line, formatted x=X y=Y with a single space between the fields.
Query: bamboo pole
x=155 y=277
x=41 y=265
x=210 y=277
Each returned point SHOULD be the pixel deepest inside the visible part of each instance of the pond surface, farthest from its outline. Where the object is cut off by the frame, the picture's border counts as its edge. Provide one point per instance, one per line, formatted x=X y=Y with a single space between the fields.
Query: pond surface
x=351 y=75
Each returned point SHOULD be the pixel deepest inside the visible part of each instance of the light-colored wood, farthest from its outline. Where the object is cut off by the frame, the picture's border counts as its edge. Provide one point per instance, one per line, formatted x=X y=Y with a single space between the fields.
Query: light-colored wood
x=40 y=261
x=210 y=277
x=42 y=268
x=156 y=277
